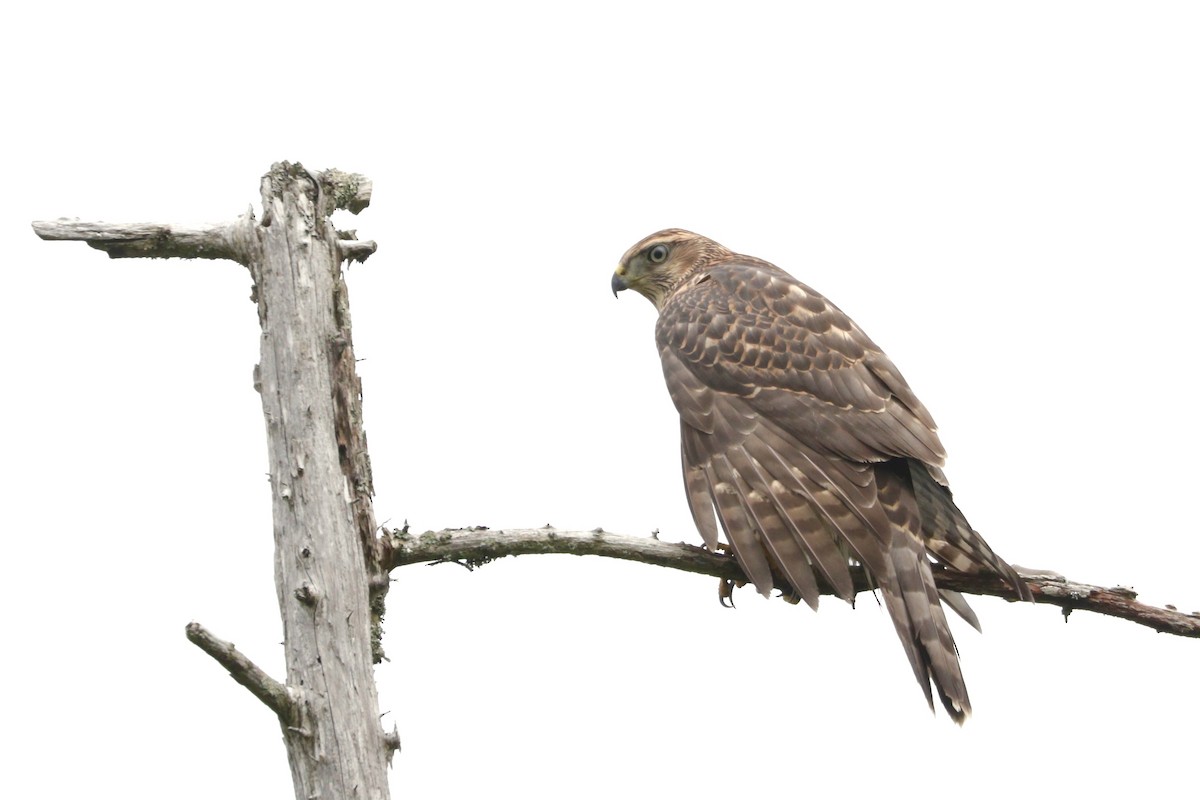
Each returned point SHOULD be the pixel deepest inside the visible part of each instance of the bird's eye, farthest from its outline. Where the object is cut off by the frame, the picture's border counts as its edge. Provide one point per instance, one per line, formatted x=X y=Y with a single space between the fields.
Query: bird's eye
x=658 y=253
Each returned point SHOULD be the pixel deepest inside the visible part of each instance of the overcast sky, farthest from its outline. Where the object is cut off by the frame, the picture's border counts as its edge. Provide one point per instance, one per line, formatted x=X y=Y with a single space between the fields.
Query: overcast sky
x=1005 y=199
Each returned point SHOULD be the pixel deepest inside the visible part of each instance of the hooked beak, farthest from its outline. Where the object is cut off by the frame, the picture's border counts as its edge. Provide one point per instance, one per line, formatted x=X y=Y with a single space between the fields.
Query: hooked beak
x=618 y=284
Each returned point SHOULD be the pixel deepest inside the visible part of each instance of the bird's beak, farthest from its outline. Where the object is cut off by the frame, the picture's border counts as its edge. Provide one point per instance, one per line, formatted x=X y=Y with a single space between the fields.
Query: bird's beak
x=618 y=284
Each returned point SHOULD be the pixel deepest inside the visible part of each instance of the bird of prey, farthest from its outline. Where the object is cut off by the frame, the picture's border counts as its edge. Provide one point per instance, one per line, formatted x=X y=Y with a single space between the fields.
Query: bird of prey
x=808 y=444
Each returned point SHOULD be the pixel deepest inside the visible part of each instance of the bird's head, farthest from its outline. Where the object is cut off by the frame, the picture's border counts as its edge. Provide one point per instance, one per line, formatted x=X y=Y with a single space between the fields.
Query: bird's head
x=654 y=266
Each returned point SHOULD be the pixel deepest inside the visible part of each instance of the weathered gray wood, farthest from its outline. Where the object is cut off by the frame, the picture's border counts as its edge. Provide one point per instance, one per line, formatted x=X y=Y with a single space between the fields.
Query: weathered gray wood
x=474 y=547
x=328 y=574
x=152 y=239
x=273 y=693
x=337 y=749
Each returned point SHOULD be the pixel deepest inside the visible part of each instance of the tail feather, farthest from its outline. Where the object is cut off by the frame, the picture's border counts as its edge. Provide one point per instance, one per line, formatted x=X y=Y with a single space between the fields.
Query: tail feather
x=911 y=597
x=958 y=604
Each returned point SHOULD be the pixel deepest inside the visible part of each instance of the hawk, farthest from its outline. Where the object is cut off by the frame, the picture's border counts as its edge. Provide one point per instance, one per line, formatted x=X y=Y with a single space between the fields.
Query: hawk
x=808 y=444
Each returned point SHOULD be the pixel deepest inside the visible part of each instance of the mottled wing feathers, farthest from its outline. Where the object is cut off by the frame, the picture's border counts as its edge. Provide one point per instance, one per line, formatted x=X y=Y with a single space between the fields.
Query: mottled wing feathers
x=780 y=504
x=814 y=453
x=747 y=329
x=948 y=535
x=695 y=481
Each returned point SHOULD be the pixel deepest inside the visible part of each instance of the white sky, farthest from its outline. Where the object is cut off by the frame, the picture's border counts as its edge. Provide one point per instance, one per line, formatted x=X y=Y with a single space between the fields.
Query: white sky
x=1005 y=199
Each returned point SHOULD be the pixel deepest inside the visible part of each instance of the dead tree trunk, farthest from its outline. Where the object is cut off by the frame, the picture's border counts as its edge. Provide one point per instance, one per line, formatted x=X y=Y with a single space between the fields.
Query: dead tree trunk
x=326 y=558
x=335 y=745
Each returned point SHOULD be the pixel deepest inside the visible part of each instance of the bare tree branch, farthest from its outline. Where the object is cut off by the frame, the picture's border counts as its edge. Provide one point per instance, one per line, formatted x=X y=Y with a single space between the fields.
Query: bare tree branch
x=273 y=693
x=474 y=547
x=227 y=240
x=154 y=240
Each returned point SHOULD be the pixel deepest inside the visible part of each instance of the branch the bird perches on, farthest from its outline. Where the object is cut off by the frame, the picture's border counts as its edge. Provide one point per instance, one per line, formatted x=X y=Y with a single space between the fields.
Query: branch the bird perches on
x=473 y=547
